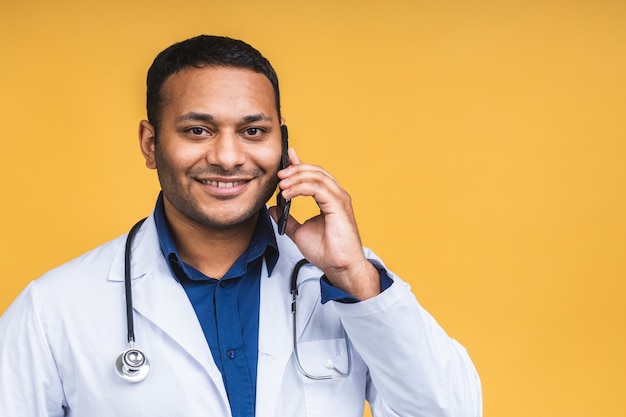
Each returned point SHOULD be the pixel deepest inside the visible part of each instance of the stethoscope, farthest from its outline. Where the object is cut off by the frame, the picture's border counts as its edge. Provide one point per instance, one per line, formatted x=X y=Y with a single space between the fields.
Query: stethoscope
x=132 y=365
x=336 y=374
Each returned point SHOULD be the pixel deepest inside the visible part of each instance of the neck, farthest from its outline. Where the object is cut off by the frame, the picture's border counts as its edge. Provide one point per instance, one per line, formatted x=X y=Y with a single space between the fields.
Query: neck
x=209 y=250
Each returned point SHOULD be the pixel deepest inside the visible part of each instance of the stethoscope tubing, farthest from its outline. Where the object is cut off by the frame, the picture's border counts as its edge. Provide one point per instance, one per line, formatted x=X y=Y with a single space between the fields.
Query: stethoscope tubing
x=336 y=373
x=130 y=324
x=131 y=364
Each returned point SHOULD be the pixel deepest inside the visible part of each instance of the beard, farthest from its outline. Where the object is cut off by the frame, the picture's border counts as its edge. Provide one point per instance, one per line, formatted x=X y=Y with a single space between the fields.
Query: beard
x=180 y=195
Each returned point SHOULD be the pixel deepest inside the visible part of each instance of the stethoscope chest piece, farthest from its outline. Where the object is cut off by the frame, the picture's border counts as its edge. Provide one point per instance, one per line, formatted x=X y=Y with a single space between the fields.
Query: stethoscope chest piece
x=132 y=365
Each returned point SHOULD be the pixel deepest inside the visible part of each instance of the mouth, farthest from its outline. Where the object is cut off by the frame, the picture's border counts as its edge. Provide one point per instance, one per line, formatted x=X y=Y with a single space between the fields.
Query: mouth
x=224 y=187
x=222 y=184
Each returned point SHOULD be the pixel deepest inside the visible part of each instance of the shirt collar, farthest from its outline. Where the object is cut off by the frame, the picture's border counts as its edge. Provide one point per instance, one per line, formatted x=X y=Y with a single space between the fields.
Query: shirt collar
x=262 y=244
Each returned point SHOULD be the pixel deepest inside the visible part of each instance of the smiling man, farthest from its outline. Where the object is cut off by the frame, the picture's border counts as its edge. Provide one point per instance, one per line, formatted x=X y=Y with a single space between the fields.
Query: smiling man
x=217 y=153
x=208 y=282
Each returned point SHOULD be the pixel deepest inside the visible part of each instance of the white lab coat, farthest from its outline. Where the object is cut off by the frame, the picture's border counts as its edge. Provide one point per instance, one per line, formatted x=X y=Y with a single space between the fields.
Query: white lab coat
x=60 y=338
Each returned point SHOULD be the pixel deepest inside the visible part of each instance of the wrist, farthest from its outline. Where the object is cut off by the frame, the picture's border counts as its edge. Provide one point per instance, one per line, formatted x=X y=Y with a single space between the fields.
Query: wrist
x=361 y=280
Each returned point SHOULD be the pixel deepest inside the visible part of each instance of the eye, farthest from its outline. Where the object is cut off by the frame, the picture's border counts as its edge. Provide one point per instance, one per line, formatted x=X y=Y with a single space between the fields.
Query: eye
x=253 y=132
x=197 y=131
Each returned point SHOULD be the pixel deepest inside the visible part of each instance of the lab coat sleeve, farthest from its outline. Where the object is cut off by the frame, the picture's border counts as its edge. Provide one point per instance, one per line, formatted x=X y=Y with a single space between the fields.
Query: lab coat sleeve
x=29 y=381
x=415 y=368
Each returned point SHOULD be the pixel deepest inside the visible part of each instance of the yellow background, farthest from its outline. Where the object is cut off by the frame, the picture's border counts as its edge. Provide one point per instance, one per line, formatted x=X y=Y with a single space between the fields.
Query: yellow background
x=482 y=142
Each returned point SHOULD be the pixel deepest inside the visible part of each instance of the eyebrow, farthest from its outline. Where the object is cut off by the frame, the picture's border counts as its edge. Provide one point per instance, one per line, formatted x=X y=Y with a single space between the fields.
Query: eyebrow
x=208 y=118
x=195 y=117
x=260 y=117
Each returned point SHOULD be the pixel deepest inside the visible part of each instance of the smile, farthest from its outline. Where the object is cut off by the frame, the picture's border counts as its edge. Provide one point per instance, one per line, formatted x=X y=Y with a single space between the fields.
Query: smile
x=222 y=184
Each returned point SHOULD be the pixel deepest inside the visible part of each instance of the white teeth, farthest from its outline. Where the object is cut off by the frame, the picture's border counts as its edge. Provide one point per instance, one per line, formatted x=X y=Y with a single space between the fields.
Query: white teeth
x=222 y=184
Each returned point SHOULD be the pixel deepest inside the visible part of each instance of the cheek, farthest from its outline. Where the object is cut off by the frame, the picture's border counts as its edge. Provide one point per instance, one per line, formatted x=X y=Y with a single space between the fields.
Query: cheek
x=176 y=158
x=269 y=158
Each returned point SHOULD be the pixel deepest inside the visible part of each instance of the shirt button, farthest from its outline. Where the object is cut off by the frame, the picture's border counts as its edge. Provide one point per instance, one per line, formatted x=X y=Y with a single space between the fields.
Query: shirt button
x=230 y=353
x=223 y=284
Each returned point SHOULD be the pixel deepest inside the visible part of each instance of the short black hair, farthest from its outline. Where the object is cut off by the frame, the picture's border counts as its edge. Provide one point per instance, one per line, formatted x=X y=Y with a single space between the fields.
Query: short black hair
x=199 y=52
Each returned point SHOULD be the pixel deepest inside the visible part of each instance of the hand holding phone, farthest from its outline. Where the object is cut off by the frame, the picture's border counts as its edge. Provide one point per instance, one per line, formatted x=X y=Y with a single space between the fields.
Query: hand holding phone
x=283 y=204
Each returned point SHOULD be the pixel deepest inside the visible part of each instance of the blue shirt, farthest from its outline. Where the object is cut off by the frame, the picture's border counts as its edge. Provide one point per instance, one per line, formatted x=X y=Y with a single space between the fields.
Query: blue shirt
x=228 y=308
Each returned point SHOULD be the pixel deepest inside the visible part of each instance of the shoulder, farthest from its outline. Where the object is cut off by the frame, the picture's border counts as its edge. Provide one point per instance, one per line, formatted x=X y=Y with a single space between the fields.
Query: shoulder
x=59 y=291
x=93 y=264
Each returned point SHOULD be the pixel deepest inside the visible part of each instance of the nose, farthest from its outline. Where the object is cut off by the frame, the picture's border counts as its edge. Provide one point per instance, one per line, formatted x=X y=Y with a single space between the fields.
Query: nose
x=226 y=151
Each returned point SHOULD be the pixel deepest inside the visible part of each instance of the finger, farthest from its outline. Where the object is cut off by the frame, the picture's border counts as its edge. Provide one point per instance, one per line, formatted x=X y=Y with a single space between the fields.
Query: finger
x=296 y=165
x=301 y=169
x=309 y=181
x=294 y=159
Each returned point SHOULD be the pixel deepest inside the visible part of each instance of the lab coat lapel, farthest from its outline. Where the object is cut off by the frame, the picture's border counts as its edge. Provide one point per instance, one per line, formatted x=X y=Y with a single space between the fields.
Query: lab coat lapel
x=178 y=321
x=154 y=287
x=275 y=326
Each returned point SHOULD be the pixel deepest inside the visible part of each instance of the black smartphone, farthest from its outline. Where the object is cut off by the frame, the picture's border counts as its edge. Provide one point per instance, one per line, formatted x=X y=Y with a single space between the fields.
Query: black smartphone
x=283 y=204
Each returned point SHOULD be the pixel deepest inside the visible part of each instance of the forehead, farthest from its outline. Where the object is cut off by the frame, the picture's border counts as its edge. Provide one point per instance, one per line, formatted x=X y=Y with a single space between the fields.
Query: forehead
x=219 y=91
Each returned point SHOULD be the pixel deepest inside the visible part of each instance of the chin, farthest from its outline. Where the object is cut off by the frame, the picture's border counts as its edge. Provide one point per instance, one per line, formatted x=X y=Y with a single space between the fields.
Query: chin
x=229 y=221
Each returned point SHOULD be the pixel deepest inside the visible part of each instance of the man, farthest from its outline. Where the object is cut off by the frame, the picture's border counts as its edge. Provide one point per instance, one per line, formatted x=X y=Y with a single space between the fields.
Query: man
x=210 y=282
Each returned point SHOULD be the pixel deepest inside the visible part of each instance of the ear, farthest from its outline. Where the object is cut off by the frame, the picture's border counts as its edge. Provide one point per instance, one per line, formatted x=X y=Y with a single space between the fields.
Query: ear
x=147 y=142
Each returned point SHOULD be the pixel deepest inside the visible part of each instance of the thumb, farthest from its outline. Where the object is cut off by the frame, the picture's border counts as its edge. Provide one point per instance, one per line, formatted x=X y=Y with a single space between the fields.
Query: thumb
x=292 y=223
x=273 y=211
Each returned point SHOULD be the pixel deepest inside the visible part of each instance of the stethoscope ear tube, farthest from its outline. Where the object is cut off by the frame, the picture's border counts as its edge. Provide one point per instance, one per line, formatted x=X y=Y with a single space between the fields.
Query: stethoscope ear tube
x=131 y=364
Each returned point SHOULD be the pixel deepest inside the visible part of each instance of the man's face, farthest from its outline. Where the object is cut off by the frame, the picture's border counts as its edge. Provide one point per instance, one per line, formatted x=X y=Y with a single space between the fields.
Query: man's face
x=218 y=146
